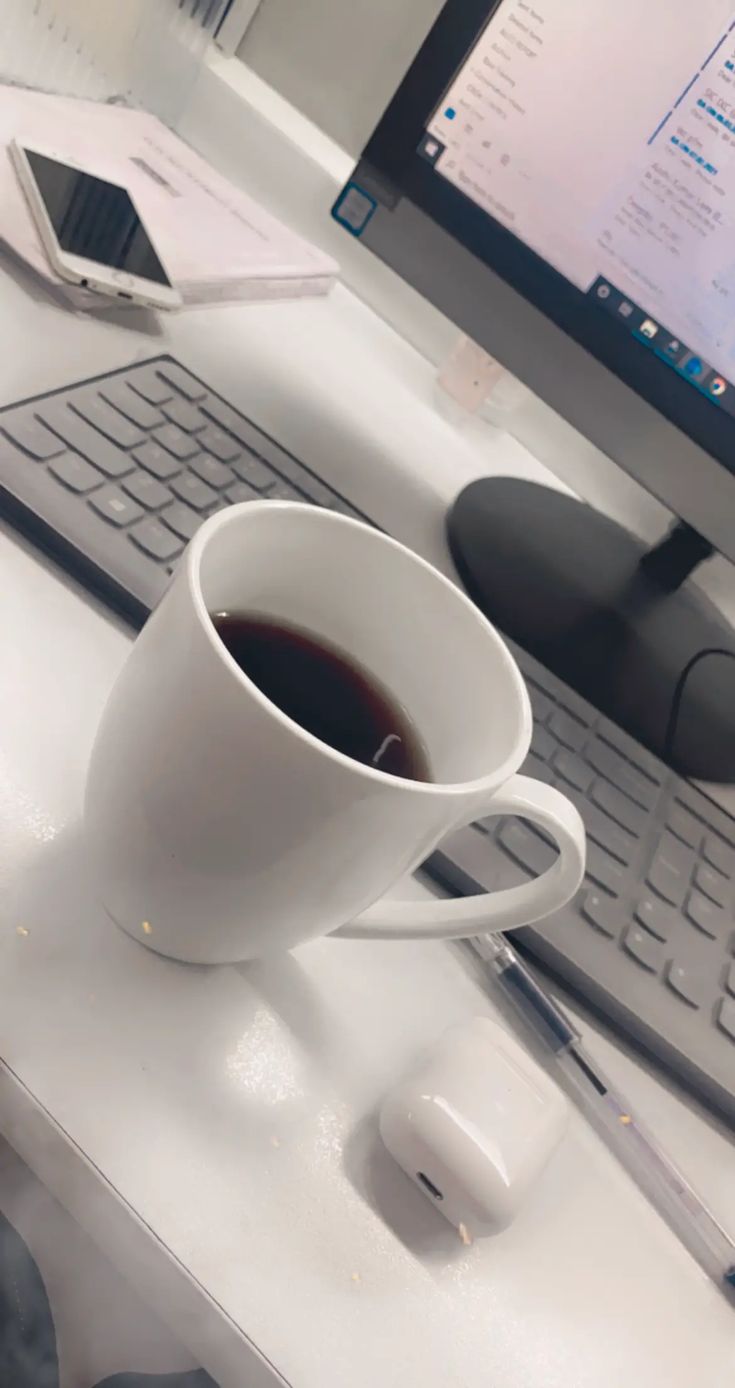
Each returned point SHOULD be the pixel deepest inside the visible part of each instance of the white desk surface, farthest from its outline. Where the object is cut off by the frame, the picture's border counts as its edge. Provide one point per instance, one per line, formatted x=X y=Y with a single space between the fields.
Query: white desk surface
x=214 y=1129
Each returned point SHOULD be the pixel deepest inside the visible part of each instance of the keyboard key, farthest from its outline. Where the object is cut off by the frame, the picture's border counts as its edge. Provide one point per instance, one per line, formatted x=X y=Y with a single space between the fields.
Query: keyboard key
x=530 y=851
x=542 y=678
x=120 y=395
x=12 y=460
x=687 y=984
x=147 y=382
x=220 y=504
x=711 y=814
x=212 y=471
x=192 y=490
x=283 y=491
x=644 y=949
x=619 y=807
x=245 y=432
x=579 y=710
x=157 y=461
x=574 y=770
x=187 y=416
x=568 y=730
x=609 y=763
x=31 y=435
x=154 y=539
x=656 y=917
x=603 y=869
x=114 y=506
x=288 y=467
x=108 y=421
x=540 y=770
x=254 y=471
x=181 y=519
x=240 y=491
x=147 y=490
x=313 y=489
x=219 y=443
x=543 y=744
x=77 y=475
x=707 y=917
x=670 y=870
x=185 y=384
x=726 y=1017
x=178 y=443
x=633 y=752
x=85 y=440
x=282 y=462
x=719 y=855
x=540 y=702
x=712 y=883
x=604 y=912
x=342 y=508
x=684 y=825
x=609 y=836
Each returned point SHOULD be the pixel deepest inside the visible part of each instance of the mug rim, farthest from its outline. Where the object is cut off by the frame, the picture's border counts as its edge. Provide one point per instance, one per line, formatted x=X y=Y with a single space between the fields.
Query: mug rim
x=320 y=515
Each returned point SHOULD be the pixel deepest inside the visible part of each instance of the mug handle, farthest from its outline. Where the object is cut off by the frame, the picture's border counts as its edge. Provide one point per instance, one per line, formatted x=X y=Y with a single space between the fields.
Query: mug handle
x=491 y=911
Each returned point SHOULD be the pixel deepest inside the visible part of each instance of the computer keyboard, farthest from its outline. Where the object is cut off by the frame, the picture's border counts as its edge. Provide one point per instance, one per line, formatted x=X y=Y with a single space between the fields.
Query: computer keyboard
x=114 y=475
x=649 y=940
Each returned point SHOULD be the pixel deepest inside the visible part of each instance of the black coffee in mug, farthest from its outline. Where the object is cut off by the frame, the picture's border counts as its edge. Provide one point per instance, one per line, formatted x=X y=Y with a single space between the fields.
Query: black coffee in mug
x=326 y=692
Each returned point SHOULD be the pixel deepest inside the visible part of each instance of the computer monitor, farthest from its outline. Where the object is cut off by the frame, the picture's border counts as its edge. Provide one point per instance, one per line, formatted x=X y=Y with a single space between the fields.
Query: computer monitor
x=558 y=177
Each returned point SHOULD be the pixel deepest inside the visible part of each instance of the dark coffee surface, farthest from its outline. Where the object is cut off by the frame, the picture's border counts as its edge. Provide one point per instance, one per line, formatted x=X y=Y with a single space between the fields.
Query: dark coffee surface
x=325 y=692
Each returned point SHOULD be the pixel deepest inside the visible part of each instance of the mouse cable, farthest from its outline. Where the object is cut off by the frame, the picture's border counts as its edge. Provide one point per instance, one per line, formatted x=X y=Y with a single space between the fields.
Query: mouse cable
x=678 y=695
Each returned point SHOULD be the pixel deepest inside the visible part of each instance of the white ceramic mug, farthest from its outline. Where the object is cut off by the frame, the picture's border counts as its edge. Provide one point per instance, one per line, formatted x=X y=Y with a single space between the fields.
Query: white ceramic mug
x=220 y=830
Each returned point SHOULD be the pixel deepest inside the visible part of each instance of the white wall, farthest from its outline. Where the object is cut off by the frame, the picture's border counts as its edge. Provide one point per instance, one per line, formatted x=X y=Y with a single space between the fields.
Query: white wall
x=107 y=29
x=339 y=61
x=104 y=48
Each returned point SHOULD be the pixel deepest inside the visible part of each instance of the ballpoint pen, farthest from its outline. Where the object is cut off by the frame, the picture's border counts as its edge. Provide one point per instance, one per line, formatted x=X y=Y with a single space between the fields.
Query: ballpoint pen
x=638 y=1151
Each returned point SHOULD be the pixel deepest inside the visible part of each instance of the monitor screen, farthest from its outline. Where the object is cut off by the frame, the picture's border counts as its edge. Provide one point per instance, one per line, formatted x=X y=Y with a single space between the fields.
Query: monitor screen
x=603 y=136
x=558 y=178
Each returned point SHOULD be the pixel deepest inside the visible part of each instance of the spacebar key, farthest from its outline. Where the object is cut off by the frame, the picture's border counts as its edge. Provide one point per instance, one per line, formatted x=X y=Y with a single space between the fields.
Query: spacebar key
x=601 y=829
x=85 y=440
x=531 y=852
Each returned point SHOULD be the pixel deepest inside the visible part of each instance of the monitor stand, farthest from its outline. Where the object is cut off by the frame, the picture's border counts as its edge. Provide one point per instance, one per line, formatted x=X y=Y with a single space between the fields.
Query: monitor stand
x=612 y=619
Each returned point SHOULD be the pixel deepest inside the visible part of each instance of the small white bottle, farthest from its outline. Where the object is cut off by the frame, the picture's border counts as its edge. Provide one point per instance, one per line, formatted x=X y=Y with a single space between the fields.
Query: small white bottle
x=471 y=380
